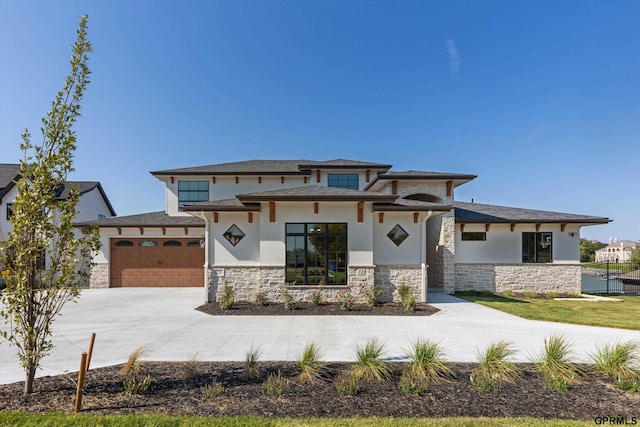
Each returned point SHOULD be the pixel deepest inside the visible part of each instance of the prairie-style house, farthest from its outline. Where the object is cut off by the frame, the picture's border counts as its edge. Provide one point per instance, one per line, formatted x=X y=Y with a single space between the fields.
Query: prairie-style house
x=261 y=225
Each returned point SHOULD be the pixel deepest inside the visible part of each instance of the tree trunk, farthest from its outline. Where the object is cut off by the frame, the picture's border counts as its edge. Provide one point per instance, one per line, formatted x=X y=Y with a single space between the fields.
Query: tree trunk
x=28 y=383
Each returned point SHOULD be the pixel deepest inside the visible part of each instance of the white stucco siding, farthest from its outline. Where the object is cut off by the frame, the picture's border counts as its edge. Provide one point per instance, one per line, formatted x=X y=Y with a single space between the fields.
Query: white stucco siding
x=246 y=251
x=5 y=224
x=91 y=206
x=359 y=236
x=388 y=253
x=505 y=246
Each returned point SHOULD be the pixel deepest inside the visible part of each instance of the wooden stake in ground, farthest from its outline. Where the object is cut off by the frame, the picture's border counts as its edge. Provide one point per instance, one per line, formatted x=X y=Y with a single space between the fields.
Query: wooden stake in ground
x=90 y=352
x=83 y=365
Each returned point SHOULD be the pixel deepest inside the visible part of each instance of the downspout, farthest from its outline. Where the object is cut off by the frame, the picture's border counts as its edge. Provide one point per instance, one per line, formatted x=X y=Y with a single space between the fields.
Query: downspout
x=423 y=255
x=206 y=256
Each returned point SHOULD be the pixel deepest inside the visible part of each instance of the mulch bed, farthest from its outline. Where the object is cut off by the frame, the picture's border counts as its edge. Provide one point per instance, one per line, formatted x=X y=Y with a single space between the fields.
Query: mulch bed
x=308 y=309
x=172 y=393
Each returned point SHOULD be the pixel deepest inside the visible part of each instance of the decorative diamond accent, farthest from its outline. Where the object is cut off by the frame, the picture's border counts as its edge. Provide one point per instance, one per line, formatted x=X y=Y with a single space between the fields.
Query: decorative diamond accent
x=397 y=235
x=234 y=235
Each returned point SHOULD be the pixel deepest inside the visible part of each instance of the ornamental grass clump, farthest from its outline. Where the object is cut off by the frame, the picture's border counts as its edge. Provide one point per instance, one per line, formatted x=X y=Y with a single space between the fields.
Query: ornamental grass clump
x=251 y=367
x=494 y=368
x=368 y=365
x=190 y=368
x=347 y=384
x=136 y=381
x=311 y=368
x=620 y=361
x=554 y=364
x=413 y=383
x=212 y=390
x=275 y=384
x=427 y=359
x=227 y=299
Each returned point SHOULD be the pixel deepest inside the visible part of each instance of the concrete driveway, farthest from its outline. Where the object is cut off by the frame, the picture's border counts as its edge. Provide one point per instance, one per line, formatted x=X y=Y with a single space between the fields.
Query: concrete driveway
x=165 y=321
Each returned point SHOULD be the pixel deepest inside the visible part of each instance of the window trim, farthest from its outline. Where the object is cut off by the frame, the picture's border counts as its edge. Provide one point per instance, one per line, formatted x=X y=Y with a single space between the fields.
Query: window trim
x=469 y=234
x=537 y=236
x=200 y=194
x=326 y=234
x=343 y=180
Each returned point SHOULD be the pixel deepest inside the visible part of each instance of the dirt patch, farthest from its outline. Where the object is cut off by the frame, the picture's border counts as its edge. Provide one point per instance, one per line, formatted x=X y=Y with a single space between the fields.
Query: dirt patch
x=171 y=393
x=308 y=309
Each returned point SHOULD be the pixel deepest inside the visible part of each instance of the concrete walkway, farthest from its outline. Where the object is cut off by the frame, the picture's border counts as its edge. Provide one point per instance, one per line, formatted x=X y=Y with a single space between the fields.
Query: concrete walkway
x=165 y=321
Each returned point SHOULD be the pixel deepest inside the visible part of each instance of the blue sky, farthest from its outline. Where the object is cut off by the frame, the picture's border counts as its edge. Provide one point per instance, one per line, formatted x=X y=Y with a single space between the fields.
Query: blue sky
x=540 y=100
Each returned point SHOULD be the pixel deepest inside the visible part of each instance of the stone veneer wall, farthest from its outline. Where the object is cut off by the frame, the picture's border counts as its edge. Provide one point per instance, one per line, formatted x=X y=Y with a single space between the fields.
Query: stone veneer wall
x=247 y=281
x=99 y=276
x=541 y=278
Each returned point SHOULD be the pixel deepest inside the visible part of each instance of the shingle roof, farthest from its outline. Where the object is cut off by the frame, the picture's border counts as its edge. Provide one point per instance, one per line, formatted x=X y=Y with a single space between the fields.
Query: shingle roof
x=151 y=219
x=413 y=174
x=316 y=193
x=411 y=205
x=8 y=172
x=270 y=167
x=230 y=205
x=479 y=213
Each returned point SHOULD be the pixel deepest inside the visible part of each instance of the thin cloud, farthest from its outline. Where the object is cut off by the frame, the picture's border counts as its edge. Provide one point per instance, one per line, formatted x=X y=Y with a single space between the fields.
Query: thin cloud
x=535 y=133
x=454 y=57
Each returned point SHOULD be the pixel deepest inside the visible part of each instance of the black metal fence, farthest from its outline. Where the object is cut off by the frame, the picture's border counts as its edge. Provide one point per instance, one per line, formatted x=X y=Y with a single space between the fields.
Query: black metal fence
x=611 y=277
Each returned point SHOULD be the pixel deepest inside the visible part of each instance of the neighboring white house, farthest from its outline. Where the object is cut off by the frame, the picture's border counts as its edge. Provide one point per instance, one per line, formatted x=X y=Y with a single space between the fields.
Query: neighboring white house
x=260 y=225
x=92 y=205
x=616 y=251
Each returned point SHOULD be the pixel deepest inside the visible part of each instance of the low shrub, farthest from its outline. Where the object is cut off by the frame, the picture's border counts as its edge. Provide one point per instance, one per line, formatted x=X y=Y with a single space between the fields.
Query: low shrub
x=529 y=294
x=275 y=385
x=347 y=384
x=409 y=304
x=346 y=300
x=369 y=365
x=403 y=293
x=213 y=390
x=372 y=295
x=227 y=298
x=287 y=299
x=509 y=294
x=262 y=299
x=316 y=297
x=552 y=295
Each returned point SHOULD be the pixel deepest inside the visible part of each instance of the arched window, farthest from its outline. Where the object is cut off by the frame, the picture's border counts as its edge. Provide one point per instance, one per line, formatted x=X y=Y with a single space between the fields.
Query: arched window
x=124 y=243
x=148 y=243
x=193 y=243
x=172 y=243
x=424 y=198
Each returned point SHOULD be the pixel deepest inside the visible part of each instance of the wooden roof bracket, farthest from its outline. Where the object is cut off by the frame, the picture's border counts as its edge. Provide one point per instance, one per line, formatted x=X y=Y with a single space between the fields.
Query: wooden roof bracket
x=562 y=227
x=538 y=227
x=449 y=188
x=513 y=227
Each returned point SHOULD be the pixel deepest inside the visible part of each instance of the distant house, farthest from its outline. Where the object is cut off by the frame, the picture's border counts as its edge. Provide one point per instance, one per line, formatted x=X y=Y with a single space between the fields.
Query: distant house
x=92 y=205
x=616 y=251
x=260 y=225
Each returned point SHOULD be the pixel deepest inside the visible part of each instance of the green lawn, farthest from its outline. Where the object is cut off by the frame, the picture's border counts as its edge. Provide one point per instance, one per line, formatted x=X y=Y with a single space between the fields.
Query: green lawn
x=53 y=420
x=623 y=315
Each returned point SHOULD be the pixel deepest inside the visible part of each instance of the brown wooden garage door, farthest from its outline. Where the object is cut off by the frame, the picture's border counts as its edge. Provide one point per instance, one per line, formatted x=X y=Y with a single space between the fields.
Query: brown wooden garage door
x=156 y=263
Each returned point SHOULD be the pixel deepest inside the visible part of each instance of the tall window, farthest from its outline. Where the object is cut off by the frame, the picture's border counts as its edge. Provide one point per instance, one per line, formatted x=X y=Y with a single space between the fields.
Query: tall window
x=192 y=191
x=343 y=180
x=537 y=247
x=316 y=253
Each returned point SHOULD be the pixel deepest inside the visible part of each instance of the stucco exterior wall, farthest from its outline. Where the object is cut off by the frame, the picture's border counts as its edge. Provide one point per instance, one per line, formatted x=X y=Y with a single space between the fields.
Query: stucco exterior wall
x=541 y=278
x=505 y=246
x=246 y=251
x=388 y=253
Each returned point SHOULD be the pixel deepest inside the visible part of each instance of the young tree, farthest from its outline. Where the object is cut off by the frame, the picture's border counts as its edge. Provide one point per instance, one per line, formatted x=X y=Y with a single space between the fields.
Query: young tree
x=635 y=255
x=44 y=259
